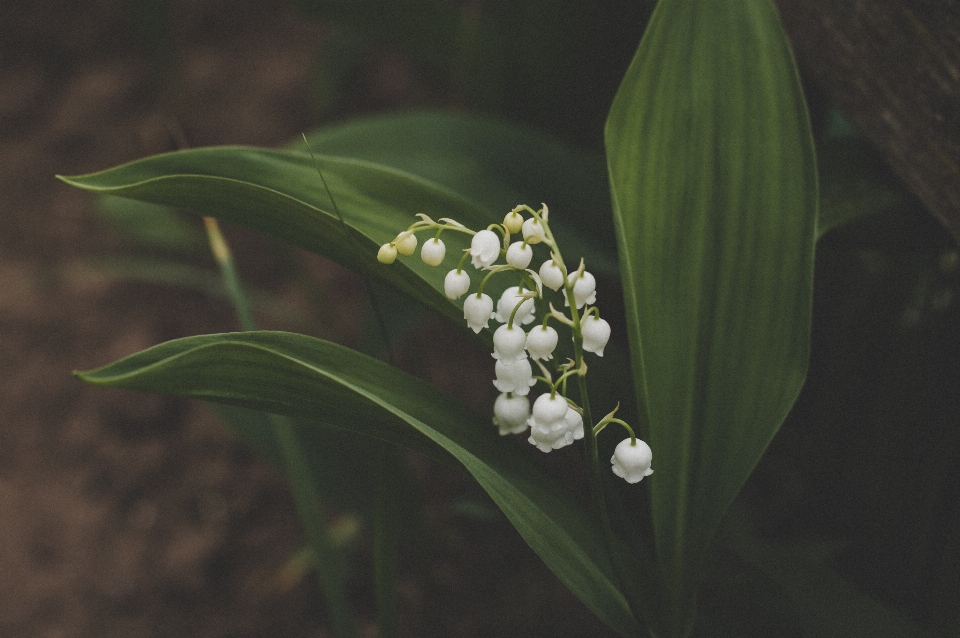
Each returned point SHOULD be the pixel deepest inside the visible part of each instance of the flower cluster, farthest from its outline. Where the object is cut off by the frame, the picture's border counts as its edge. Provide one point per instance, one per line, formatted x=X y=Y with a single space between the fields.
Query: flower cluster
x=555 y=421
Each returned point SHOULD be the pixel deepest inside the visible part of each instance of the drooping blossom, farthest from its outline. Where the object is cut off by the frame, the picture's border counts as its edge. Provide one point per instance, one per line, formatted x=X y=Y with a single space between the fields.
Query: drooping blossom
x=433 y=252
x=631 y=462
x=510 y=413
x=596 y=334
x=484 y=248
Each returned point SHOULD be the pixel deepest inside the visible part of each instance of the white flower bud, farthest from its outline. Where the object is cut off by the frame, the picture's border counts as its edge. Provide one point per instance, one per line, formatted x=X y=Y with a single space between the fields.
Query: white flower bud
x=533 y=232
x=596 y=333
x=584 y=289
x=484 y=248
x=514 y=376
x=510 y=413
x=387 y=254
x=508 y=342
x=513 y=222
x=551 y=275
x=541 y=342
x=519 y=255
x=456 y=283
x=406 y=243
x=509 y=300
x=632 y=462
x=433 y=252
x=477 y=310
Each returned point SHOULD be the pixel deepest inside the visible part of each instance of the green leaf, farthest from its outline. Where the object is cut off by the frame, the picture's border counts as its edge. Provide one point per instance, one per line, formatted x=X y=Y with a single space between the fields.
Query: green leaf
x=304 y=377
x=493 y=163
x=279 y=193
x=714 y=185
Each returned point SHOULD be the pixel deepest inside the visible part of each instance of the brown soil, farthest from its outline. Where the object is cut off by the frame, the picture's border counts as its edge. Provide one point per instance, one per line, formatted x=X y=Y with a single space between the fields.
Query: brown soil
x=135 y=515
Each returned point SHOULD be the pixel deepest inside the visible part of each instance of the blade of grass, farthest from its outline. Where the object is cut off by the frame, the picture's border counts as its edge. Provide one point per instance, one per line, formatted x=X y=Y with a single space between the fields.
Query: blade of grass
x=224 y=258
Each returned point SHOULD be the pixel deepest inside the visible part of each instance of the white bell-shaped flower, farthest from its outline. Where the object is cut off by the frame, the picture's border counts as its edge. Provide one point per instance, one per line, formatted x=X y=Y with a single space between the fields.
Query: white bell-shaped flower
x=456 y=283
x=551 y=275
x=478 y=310
x=406 y=243
x=533 y=232
x=596 y=334
x=541 y=342
x=552 y=435
x=509 y=300
x=514 y=376
x=519 y=254
x=632 y=462
x=484 y=248
x=433 y=252
x=509 y=342
x=510 y=413
x=584 y=288
x=387 y=254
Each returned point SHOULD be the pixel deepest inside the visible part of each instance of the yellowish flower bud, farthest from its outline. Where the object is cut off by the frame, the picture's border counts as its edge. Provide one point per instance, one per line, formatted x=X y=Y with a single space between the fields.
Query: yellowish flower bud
x=387 y=254
x=513 y=222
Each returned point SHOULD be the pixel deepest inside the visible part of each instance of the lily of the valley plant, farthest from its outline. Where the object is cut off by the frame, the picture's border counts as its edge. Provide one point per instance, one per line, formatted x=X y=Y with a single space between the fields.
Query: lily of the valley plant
x=555 y=420
x=711 y=195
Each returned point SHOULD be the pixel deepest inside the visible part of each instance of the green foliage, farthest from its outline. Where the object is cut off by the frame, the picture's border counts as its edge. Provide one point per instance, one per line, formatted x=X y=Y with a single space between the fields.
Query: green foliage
x=304 y=377
x=715 y=197
x=279 y=192
x=713 y=189
x=492 y=163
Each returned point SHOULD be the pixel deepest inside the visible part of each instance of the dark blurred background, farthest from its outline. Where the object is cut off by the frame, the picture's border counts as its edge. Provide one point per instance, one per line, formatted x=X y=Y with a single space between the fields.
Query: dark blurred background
x=124 y=515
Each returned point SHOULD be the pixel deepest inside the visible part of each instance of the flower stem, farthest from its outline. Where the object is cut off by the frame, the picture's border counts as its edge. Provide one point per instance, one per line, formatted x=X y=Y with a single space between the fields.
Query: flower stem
x=628 y=584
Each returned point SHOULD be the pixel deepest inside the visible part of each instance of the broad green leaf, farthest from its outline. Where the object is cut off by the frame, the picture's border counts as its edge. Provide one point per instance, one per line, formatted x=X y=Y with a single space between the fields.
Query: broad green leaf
x=304 y=377
x=714 y=187
x=280 y=193
x=491 y=162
